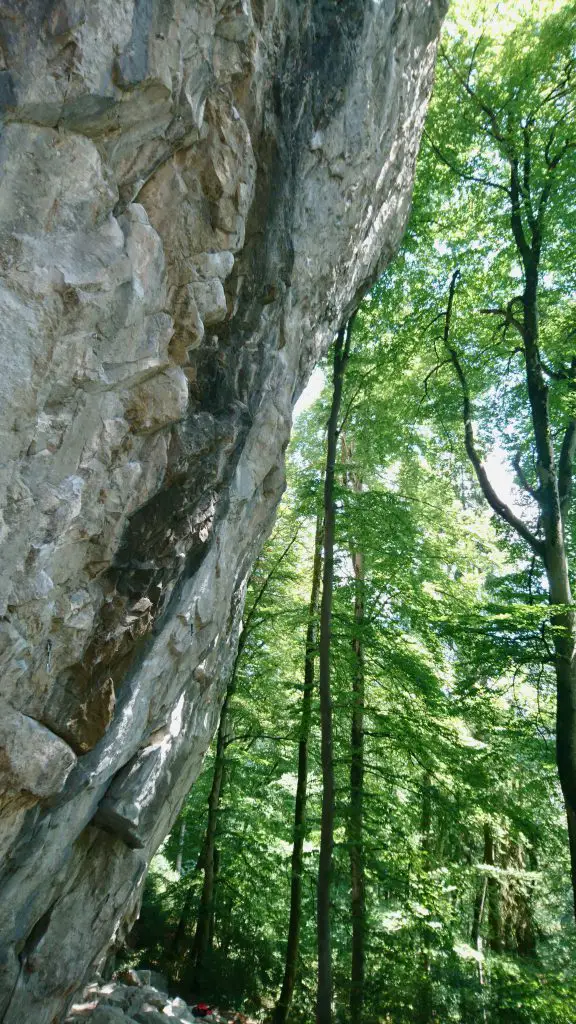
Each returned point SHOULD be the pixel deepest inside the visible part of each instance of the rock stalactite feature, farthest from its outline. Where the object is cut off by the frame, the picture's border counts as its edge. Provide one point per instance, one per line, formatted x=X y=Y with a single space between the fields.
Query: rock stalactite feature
x=192 y=197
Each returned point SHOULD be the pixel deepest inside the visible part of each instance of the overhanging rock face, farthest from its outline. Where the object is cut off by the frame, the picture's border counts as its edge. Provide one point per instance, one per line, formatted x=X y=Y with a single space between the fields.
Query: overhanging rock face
x=192 y=195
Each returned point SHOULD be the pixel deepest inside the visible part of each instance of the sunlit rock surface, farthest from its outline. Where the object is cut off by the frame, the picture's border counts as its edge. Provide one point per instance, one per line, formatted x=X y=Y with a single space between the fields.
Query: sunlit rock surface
x=192 y=196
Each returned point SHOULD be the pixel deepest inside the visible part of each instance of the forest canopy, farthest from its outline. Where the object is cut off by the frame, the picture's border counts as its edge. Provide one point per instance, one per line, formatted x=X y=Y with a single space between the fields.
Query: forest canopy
x=384 y=825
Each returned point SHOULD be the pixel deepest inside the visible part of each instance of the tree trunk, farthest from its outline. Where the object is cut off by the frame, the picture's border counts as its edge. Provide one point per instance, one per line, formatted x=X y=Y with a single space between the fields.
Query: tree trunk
x=476 y=938
x=324 y=993
x=291 y=963
x=555 y=492
x=212 y=922
x=566 y=727
x=494 y=905
x=180 y=854
x=203 y=935
x=180 y=933
x=356 y=809
x=478 y=914
x=553 y=495
x=520 y=929
x=425 y=1009
x=201 y=940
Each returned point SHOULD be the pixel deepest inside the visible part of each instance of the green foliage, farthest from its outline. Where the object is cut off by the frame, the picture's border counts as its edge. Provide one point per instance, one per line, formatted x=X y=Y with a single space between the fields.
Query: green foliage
x=467 y=877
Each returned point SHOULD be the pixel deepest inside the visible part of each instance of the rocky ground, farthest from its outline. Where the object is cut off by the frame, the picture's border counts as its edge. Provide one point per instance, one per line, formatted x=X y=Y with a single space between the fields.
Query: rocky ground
x=133 y=998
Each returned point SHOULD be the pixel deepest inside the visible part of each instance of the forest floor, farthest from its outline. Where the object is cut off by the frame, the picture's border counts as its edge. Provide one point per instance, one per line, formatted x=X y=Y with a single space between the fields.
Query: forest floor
x=131 y=998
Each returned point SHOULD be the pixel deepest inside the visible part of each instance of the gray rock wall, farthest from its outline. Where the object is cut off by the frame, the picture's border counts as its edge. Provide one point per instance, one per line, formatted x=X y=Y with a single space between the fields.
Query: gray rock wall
x=192 y=195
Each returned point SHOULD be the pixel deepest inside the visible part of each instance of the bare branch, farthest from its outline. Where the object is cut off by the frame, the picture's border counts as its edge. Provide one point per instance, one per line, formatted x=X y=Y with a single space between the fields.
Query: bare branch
x=431 y=374
x=507 y=315
x=559 y=90
x=256 y=602
x=522 y=478
x=494 y=131
x=565 y=373
x=552 y=163
x=250 y=738
x=439 y=316
x=551 y=659
x=464 y=175
x=365 y=377
x=496 y=503
x=475 y=49
x=517 y=351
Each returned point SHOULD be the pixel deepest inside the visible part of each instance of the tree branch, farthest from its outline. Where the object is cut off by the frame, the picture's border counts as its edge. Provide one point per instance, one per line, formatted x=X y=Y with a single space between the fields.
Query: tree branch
x=516 y=215
x=365 y=376
x=566 y=374
x=496 y=503
x=552 y=163
x=522 y=478
x=464 y=175
x=527 y=182
x=431 y=373
x=494 y=131
x=247 y=621
x=507 y=315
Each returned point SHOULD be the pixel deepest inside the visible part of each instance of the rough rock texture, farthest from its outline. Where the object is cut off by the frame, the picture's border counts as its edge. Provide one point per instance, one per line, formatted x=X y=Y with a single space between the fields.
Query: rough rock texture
x=137 y=1000
x=192 y=195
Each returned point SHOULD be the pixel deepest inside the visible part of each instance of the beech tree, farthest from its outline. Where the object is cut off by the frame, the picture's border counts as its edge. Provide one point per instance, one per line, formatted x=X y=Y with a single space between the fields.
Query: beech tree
x=324 y=995
x=512 y=152
x=297 y=861
x=356 y=812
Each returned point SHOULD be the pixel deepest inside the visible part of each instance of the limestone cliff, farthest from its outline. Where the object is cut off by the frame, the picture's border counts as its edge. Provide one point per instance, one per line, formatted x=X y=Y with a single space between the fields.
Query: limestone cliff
x=192 y=195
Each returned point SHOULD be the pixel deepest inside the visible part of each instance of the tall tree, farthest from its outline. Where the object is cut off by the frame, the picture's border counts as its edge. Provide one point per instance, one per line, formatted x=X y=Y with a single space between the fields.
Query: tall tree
x=284 y=1003
x=204 y=923
x=324 y=990
x=530 y=144
x=356 y=810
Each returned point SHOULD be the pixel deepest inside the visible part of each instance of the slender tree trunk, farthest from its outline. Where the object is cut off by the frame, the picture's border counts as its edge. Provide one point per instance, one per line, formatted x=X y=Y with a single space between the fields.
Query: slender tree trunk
x=425 y=1003
x=180 y=854
x=212 y=922
x=476 y=938
x=203 y=935
x=324 y=993
x=566 y=726
x=356 y=810
x=494 y=903
x=186 y=909
x=478 y=914
x=291 y=963
x=201 y=939
x=180 y=933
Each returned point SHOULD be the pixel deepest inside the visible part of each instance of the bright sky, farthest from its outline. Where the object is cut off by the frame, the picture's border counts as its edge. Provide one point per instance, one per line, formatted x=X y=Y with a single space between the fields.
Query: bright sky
x=311 y=392
x=500 y=473
x=501 y=476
